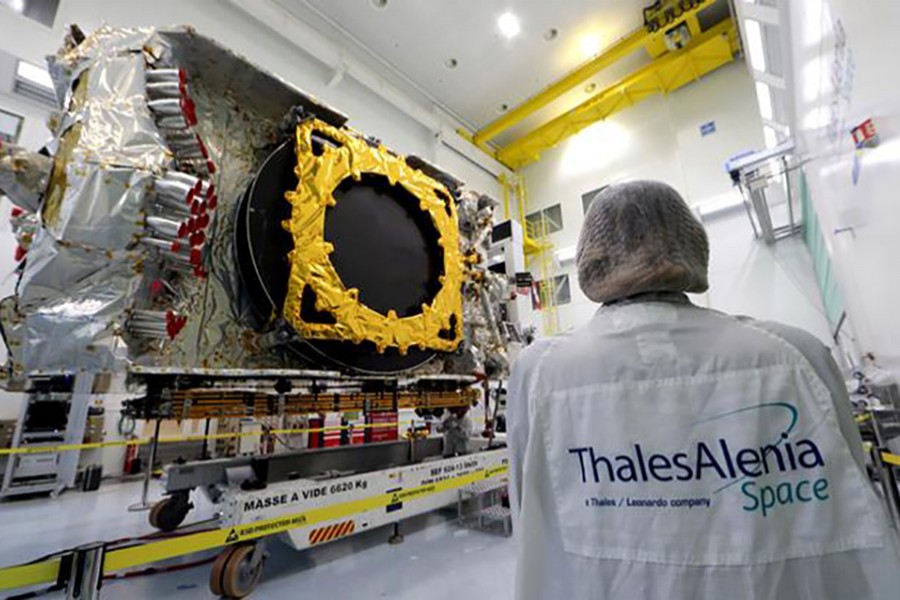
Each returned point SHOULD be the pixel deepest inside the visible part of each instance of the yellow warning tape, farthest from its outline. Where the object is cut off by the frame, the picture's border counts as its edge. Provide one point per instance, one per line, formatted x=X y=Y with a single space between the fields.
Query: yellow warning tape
x=29 y=575
x=190 y=438
x=127 y=558
x=891 y=459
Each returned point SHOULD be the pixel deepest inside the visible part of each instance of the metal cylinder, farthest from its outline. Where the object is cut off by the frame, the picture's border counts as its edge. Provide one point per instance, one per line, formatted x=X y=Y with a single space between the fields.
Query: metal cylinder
x=172 y=209
x=169 y=245
x=185 y=178
x=159 y=75
x=166 y=106
x=173 y=188
x=178 y=121
x=167 y=227
x=165 y=89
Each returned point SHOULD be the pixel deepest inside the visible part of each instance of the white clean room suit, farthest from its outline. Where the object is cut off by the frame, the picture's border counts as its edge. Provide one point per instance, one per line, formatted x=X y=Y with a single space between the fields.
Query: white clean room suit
x=669 y=452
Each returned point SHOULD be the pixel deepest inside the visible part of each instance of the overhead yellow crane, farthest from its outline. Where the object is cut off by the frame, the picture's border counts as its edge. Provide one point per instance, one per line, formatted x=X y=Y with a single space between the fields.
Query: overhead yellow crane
x=706 y=52
x=637 y=39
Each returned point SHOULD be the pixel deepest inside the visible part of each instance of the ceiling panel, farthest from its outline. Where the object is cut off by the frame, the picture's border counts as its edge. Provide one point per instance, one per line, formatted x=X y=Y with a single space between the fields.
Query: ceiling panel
x=422 y=39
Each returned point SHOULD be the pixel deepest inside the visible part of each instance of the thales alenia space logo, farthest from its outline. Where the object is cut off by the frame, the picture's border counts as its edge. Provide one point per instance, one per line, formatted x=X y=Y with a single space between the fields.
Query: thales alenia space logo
x=761 y=471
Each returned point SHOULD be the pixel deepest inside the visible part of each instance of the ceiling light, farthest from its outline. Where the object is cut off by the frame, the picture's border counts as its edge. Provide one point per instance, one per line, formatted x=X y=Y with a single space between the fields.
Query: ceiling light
x=503 y=108
x=753 y=30
x=590 y=88
x=590 y=45
x=509 y=25
x=551 y=34
x=764 y=97
x=379 y=3
x=451 y=63
x=34 y=74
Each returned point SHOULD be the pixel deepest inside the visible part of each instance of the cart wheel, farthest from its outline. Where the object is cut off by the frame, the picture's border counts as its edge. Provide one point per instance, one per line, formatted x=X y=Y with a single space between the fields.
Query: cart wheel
x=218 y=567
x=242 y=572
x=218 y=571
x=169 y=513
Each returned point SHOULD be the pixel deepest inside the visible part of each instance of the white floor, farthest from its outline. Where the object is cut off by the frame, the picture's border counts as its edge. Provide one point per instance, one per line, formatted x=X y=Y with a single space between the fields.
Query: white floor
x=437 y=560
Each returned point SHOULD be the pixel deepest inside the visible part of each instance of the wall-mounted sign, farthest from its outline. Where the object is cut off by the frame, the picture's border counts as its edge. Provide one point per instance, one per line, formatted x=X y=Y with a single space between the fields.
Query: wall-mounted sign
x=708 y=129
x=865 y=135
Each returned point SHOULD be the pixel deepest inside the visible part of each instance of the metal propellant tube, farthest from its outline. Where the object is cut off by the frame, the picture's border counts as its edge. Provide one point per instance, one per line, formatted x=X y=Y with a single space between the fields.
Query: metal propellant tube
x=165 y=75
x=173 y=209
x=166 y=106
x=165 y=89
x=169 y=245
x=167 y=227
x=172 y=188
x=178 y=121
x=150 y=316
x=186 y=178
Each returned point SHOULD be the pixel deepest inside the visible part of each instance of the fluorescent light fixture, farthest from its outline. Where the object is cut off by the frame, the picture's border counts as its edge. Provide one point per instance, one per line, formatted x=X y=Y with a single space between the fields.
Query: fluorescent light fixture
x=34 y=74
x=764 y=97
x=509 y=25
x=753 y=31
x=567 y=254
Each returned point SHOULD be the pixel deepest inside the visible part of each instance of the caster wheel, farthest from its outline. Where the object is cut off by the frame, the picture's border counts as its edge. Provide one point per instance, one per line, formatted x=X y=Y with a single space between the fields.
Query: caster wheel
x=218 y=568
x=396 y=538
x=242 y=572
x=167 y=514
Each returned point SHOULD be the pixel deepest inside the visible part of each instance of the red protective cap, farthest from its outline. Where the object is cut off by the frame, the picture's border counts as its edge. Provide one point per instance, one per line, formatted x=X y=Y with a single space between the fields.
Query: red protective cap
x=184 y=228
x=20 y=253
x=196 y=257
x=16 y=211
x=211 y=202
x=198 y=238
x=203 y=149
x=189 y=111
x=203 y=220
x=157 y=287
x=175 y=247
x=174 y=324
x=210 y=166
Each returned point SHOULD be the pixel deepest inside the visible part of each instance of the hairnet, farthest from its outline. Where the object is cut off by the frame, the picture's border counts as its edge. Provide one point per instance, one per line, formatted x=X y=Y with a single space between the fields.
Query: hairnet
x=640 y=237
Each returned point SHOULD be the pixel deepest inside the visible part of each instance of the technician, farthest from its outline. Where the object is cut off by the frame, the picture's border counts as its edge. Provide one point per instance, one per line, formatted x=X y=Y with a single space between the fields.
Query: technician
x=666 y=451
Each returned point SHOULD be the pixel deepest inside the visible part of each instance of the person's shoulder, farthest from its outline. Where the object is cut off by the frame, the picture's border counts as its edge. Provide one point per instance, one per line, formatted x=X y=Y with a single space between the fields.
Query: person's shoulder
x=793 y=335
x=532 y=354
x=805 y=342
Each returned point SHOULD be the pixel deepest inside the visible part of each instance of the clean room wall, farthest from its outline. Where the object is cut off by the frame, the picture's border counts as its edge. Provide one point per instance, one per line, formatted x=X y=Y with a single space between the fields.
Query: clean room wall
x=660 y=139
x=860 y=221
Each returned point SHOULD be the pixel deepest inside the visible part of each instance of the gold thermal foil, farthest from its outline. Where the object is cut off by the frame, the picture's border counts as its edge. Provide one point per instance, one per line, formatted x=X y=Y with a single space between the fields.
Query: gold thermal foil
x=439 y=325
